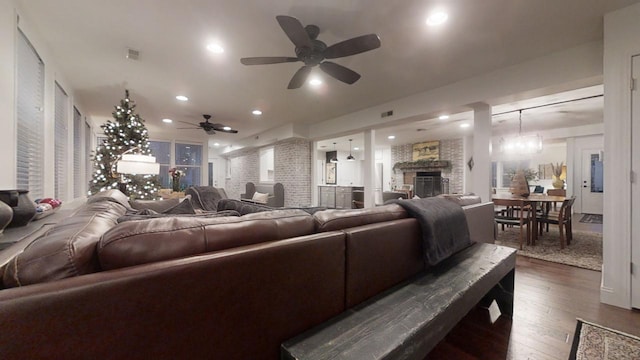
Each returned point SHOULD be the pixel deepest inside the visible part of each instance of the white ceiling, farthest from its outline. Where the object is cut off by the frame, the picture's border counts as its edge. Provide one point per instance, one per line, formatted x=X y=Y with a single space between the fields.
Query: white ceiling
x=89 y=38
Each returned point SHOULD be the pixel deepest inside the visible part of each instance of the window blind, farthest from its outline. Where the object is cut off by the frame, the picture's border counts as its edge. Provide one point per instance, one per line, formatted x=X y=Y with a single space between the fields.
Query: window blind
x=29 y=119
x=61 y=143
x=78 y=183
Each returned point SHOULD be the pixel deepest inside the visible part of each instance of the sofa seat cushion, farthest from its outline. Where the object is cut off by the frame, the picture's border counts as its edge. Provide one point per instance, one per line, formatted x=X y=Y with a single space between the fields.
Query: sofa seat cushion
x=330 y=220
x=67 y=250
x=145 y=241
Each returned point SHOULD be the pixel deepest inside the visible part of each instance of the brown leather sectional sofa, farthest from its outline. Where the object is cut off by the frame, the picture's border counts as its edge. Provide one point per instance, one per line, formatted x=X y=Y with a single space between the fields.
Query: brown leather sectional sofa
x=199 y=287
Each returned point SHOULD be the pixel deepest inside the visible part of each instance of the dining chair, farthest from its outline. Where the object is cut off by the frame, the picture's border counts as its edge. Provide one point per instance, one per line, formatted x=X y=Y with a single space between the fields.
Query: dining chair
x=562 y=218
x=556 y=192
x=524 y=218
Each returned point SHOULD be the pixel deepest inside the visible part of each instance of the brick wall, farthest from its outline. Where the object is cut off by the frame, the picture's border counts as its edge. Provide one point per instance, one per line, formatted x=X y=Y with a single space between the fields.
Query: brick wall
x=451 y=150
x=292 y=159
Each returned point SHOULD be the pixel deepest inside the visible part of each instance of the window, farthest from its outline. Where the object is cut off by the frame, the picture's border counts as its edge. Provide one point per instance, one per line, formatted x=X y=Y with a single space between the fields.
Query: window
x=30 y=119
x=267 y=164
x=189 y=159
x=60 y=142
x=77 y=154
x=509 y=169
x=162 y=151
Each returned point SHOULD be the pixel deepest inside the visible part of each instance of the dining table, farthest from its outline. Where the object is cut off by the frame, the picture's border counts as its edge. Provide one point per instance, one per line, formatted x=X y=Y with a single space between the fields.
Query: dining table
x=509 y=200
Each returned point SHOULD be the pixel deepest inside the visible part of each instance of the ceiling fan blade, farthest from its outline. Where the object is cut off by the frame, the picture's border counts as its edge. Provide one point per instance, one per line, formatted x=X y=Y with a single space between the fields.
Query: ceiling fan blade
x=299 y=77
x=186 y=122
x=210 y=132
x=352 y=46
x=223 y=128
x=340 y=72
x=264 y=60
x=189 y=128
x=294 y=30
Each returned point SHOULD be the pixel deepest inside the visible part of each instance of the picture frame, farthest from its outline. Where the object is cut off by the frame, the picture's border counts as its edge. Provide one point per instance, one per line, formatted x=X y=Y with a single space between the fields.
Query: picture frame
x=428 y=150
x=330 y=173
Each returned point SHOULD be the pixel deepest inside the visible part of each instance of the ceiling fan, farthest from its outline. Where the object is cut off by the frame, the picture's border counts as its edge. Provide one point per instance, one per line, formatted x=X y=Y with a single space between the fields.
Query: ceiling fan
x=312 y=52
x=208 y=127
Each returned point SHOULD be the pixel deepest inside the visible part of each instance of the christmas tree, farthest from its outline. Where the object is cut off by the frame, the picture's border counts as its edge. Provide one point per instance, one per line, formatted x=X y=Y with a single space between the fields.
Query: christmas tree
x=126 y=132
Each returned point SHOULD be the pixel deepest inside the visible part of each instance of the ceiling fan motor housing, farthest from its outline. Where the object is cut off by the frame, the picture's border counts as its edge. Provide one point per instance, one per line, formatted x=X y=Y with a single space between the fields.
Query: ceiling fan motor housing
x=312 y=56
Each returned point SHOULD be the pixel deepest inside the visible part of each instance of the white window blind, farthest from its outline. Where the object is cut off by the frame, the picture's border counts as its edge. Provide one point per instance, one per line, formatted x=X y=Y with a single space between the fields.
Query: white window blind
x=78 y=183
x=30 y=119
x=61 y=143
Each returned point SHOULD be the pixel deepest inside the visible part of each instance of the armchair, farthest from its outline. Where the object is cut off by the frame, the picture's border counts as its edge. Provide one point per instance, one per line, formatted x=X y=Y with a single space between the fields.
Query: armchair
x=275 y=197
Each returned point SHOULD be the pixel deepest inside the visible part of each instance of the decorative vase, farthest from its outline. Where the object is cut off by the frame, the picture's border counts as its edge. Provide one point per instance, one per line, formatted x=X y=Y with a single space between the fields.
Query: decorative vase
x=23 y=208
x=6 y=214
x=175 y=183
x=557 y=183
x=519 y=184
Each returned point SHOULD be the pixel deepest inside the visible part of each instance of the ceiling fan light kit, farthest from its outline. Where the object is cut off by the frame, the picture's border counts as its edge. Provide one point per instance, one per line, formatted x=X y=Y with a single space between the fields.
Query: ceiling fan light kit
x=312 y=52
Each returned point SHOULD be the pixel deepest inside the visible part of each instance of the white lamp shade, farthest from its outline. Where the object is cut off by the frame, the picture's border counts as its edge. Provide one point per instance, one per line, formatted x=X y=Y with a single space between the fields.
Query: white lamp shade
x=138 y=164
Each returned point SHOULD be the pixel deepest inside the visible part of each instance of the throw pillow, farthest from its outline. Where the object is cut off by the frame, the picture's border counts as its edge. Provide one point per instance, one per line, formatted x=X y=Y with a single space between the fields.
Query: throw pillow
x=260 y=197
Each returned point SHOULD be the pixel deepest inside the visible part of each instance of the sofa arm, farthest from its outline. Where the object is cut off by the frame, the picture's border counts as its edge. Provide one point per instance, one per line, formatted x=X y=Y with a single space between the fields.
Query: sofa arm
x=481 y=222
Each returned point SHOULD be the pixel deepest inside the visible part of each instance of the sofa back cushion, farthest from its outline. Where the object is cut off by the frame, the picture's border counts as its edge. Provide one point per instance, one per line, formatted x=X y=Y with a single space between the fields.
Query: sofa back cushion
x=379 y=256
x=139 y=242
x=68 y=249
x=333 y=219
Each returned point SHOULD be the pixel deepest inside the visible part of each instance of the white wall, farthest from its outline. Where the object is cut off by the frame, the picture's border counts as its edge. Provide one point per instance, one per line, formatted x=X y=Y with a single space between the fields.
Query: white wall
x=9 y=11
x=621 y=42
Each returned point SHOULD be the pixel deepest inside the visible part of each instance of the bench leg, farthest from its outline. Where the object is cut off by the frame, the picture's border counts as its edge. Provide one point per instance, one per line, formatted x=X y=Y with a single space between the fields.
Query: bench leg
x=502 y=293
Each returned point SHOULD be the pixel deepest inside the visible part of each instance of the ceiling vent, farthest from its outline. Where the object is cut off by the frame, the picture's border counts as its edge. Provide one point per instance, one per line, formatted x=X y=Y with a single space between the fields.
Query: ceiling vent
x=133 y=54
x=386 y=113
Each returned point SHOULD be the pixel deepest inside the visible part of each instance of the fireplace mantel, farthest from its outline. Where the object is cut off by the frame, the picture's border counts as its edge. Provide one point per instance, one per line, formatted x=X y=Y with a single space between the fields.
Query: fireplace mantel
x=422 y=165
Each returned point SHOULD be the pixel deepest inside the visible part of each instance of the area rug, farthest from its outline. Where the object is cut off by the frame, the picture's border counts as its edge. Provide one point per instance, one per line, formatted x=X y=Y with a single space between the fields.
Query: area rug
x=593 y=341
x=591 y=219
x=585 y=250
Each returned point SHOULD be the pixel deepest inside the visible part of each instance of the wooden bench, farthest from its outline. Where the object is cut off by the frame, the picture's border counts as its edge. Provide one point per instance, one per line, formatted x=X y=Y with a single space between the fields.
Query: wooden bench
x=409 y=320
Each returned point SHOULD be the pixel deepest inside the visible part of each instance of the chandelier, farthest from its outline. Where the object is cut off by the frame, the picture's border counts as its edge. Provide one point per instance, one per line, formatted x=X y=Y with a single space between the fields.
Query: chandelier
x=521 y=144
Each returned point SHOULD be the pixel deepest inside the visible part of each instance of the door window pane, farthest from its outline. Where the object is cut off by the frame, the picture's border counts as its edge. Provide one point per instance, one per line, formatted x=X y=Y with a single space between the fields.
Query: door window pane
x=597 y=185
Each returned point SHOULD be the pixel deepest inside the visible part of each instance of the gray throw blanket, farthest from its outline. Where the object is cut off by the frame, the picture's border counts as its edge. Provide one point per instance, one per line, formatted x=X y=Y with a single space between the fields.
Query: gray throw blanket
x=204 y=197
x=443 y=224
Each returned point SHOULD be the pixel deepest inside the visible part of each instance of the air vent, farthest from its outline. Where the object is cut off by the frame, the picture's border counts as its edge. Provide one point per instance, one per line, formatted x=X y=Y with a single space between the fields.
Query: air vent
x=133 y=54
x=386 y=113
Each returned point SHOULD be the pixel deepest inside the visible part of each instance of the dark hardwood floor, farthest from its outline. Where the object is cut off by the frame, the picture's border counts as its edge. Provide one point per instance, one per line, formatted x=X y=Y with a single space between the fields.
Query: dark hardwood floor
x=548 y=299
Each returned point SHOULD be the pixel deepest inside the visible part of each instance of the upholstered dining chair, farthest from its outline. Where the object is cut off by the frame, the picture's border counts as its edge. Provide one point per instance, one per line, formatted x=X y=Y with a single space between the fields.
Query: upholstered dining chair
x=562 y=218
x=524 y=218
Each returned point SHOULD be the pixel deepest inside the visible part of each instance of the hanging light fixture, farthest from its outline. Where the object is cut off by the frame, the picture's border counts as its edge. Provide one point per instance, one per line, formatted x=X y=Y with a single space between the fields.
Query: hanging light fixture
x=334 y=159
x=522 y=144
x=350 y=157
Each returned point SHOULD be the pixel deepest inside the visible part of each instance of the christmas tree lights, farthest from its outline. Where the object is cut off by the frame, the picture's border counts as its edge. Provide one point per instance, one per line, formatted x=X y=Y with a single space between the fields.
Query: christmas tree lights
x=127 y=131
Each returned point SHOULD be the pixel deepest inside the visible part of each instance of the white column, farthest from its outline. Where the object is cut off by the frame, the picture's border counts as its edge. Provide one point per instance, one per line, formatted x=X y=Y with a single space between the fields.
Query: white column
x=481 y=173
x=314 y=174
x=467 y=151
x=369 y=168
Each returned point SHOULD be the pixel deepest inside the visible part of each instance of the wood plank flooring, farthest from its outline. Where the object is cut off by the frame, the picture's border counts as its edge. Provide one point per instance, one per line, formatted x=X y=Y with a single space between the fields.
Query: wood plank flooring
x=548 y=299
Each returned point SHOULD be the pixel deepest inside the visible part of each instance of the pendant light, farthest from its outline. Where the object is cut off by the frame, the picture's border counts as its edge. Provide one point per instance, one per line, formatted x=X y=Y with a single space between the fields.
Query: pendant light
x=334 y=159
x=350 y=157
x=527 y=144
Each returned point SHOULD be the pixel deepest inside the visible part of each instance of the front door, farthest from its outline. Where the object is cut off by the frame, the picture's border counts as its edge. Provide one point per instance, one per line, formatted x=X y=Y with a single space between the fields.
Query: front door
x=591 y=186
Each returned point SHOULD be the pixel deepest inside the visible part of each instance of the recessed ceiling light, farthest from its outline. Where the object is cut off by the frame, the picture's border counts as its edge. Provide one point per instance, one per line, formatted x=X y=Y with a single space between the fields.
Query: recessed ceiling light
x=315 y=82
x=226 y=128
x=216 y=144
x=391 y=137
x=437 y=17
x=443 y=117
x=215 y=48
x=168 y=121
x=182 y=98
x=256 y=112
x=465 y=125
x=356 y=148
